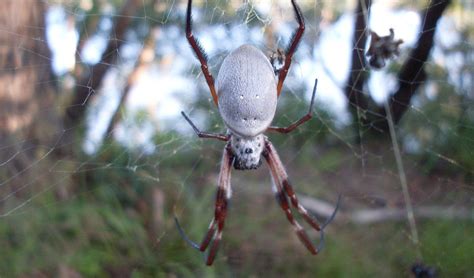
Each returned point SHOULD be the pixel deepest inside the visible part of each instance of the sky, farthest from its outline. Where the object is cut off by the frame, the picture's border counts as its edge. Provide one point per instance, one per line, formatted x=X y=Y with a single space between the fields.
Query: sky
x=166 y=88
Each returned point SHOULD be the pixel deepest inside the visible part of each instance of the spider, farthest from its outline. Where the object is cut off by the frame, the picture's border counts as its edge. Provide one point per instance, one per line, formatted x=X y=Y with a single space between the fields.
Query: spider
x=382 y=48
x=246 y=94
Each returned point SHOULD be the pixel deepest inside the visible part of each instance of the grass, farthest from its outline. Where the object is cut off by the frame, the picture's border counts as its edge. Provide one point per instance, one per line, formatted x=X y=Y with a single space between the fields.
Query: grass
x=98 y=237
x=105 y=228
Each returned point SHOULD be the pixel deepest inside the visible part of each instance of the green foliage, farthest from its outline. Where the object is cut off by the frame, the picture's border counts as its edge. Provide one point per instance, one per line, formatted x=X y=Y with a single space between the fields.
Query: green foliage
x=449 y=247
x=105 y=228
x=442 y=128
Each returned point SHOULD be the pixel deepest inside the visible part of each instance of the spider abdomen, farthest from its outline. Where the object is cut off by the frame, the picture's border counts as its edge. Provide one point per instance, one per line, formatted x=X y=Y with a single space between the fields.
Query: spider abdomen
x=246 y=86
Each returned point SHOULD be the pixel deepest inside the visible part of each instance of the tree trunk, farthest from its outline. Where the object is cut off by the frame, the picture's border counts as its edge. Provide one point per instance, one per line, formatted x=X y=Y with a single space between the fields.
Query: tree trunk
x=29 y=122
x=147 y=55
x=412 y=73
x=90 y=82
x=358 y=75
x=27 y=93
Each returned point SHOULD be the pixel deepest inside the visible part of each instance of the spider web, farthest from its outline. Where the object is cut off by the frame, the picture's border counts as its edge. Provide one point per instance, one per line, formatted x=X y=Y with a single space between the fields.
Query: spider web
x=102 y=203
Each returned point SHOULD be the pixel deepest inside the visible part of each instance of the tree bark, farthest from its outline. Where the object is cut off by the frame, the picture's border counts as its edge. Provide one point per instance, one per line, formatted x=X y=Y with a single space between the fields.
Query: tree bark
x=27 y=94
x=29 y=121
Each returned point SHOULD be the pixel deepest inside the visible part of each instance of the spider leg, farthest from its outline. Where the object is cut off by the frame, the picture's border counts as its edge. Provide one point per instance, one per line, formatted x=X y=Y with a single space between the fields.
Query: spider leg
x=185 y=237
x=283 y=202
x=200 y=53
x=292 y=46
x=201 y=134
x=284 y=190
x=214 y=232
x=281 y=173
x=302 y=120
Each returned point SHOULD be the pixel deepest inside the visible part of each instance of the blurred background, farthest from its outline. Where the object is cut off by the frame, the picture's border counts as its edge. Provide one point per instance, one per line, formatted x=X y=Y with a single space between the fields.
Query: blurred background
x=95 y=158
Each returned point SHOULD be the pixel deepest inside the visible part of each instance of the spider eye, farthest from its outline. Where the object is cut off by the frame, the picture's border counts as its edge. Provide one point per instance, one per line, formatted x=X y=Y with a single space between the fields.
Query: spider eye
x=248 y=150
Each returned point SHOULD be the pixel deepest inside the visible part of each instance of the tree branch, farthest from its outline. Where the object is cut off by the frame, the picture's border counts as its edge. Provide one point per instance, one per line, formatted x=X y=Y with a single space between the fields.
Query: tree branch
x=412 y=73
x=357 y=75
x=370 y=216
x=89 y=83
x=145 y=58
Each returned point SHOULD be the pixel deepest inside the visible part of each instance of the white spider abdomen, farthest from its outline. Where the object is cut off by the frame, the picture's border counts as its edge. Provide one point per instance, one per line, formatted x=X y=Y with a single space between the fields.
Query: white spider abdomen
x=246 y=86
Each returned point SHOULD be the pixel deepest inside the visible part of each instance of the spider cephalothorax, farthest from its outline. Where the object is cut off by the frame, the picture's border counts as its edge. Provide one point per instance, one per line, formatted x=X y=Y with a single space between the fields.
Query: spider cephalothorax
x=246 y=95
x=247 y=151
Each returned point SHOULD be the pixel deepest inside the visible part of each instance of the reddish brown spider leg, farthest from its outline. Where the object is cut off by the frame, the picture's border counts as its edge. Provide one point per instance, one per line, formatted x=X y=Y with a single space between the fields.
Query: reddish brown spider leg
x=283 y=202
x=201 y=134
x=283 y=187
x=292 y=46
x=213 y=235
x=302 y=120
x=280 y=171
x=200 y=53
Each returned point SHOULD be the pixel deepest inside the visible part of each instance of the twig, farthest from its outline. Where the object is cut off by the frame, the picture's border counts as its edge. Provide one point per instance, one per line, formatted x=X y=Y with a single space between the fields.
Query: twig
x=403 y=181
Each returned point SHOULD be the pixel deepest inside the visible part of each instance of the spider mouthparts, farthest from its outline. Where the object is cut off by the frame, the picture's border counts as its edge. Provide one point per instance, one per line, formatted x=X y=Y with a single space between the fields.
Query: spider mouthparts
x=241 y=164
